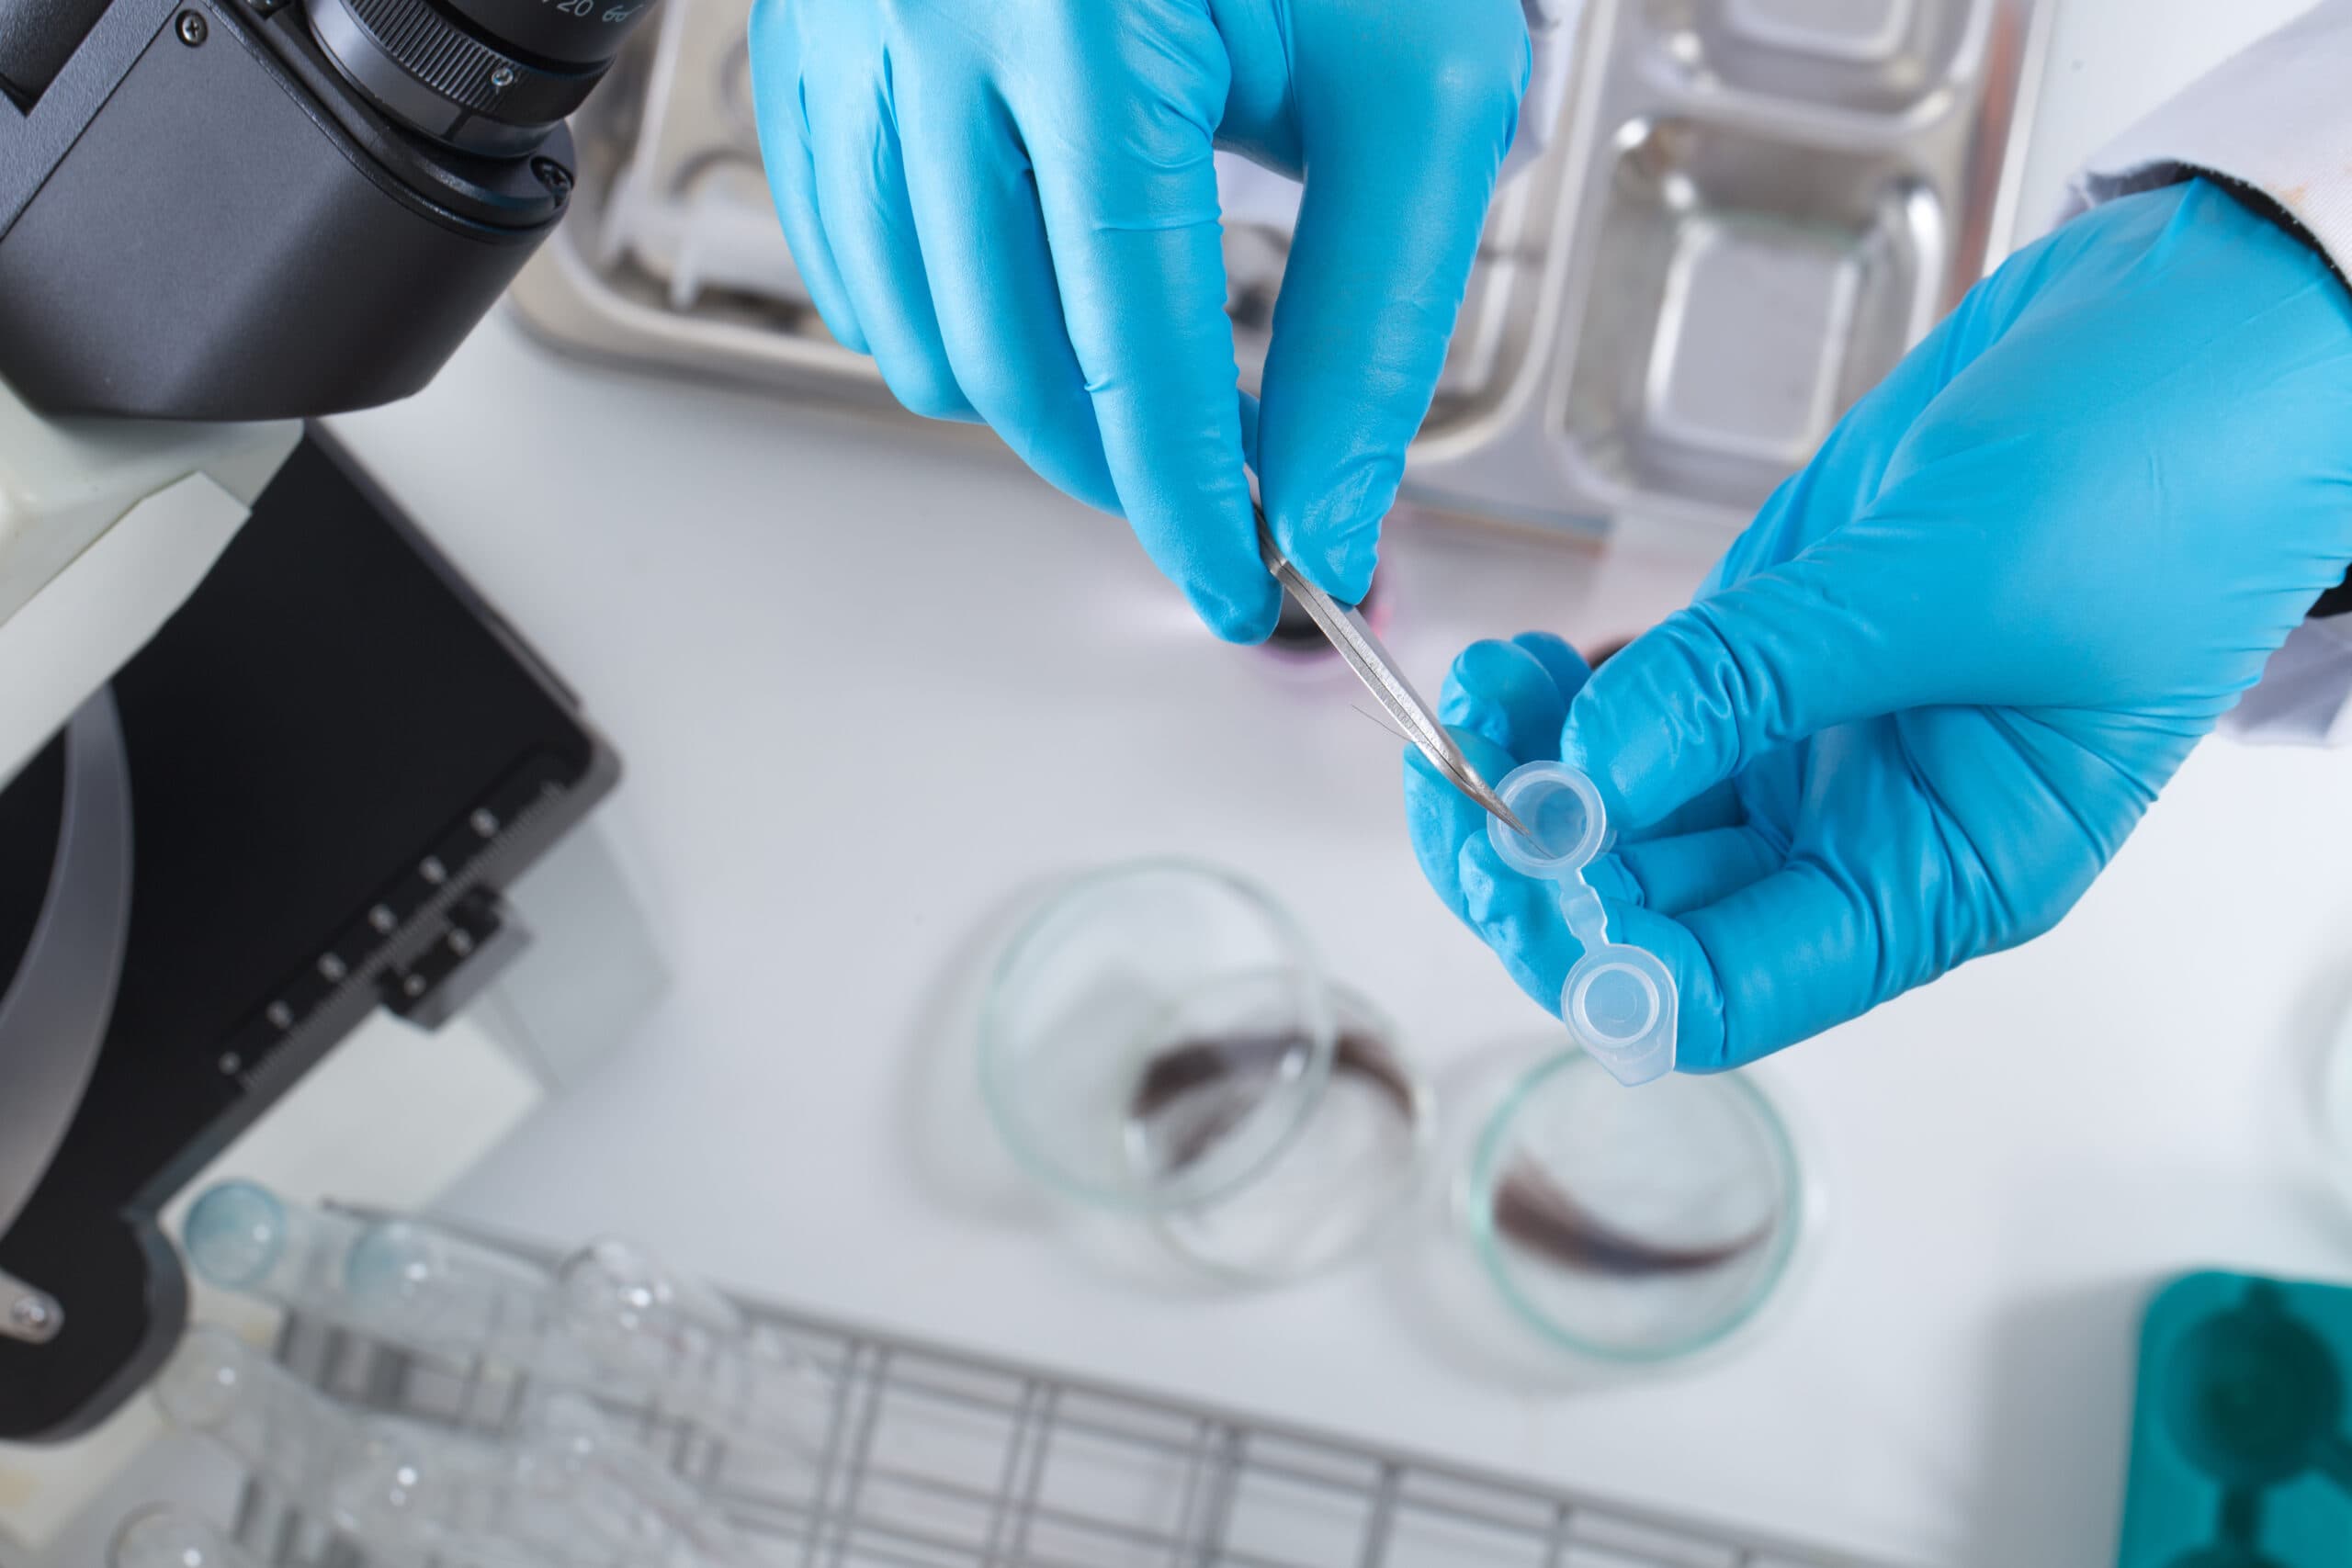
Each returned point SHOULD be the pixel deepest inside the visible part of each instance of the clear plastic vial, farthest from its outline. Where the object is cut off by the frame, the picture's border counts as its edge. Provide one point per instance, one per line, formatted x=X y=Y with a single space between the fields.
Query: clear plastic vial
x=1162 y=1041
x=1620 y=1001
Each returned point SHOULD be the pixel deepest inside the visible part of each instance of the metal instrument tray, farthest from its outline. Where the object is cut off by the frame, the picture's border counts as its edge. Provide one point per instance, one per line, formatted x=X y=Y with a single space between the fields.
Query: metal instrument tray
x=1746 y=213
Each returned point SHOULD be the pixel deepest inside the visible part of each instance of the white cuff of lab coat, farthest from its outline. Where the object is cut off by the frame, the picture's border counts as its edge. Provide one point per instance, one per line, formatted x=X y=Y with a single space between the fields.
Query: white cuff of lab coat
x=2305 y=697
x=2277 y=117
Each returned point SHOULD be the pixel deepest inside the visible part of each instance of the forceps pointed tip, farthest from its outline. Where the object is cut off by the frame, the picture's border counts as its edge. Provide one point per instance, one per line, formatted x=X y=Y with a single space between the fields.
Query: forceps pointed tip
x=1376 y=668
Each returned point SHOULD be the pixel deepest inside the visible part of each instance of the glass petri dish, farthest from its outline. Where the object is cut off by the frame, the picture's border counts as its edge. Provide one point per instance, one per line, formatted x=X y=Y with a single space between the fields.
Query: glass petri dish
x=1634 y=1225
x=1155 y=1037
x=1355 y=1165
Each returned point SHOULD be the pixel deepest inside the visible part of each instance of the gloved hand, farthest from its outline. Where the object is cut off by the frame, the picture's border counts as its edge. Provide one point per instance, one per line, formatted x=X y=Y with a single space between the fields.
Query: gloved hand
x=1930 y=689
x=1012 y=205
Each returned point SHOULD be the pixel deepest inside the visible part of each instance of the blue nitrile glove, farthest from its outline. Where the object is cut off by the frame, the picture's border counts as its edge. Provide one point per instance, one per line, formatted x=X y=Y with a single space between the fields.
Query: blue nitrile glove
x=1012 y=205
x=1931 y=689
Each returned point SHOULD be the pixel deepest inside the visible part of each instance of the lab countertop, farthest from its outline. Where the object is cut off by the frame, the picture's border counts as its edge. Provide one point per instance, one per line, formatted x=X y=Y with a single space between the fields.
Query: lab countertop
x=875 y=686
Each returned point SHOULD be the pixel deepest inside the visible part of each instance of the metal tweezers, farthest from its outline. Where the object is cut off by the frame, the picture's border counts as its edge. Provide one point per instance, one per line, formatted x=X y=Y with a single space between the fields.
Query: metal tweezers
x=1378 y=669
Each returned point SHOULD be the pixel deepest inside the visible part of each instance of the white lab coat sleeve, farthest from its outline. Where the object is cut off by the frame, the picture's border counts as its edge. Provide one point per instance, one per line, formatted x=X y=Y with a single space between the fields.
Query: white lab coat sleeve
x=2277 y=117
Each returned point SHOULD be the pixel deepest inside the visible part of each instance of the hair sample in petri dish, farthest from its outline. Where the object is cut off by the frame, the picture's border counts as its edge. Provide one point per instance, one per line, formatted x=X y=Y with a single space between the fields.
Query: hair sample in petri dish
x=1533 y=1211
x=1195 y=1093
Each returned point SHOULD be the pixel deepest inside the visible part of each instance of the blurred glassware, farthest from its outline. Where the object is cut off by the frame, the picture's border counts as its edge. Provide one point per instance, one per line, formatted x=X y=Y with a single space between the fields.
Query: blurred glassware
x=1634 y=1225
x=669 y=1333
x=1161 y=1039
x=611 y=1319
x=563 y=1489
x=165 y=1535
x=410 y=1282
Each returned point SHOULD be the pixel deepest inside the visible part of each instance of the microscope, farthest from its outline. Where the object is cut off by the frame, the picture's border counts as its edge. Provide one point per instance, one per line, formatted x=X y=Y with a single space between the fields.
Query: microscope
x=265 y=761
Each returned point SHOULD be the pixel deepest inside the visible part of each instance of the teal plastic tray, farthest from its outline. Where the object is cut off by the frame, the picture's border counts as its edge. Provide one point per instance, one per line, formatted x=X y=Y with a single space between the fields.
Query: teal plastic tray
x=2241 y=1434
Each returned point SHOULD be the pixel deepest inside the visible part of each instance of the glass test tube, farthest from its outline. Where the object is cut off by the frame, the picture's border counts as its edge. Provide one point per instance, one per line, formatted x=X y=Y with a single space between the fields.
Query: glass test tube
x=564 y=1491
x=407 y=1282
x=169 y=1536
x=708 y=1364
x=613 y=1321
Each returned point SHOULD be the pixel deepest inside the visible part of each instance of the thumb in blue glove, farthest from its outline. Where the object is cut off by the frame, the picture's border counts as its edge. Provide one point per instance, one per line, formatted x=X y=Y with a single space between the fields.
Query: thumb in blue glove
x=1931 y=691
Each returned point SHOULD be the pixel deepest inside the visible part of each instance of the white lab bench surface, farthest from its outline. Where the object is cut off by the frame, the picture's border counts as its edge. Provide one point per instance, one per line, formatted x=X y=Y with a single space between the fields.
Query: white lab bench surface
x=872 y=685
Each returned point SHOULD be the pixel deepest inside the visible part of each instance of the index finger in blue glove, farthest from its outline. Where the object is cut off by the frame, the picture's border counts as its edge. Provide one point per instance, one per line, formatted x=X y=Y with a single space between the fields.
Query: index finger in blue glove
x=1400 y=157
x=1777 y=645
x=782 y=115
x=869 y=222
x=1833 y=636
x=1515 y=693
x=1130 y=205
x=1780 y=643
x=1561 y=660
x=1518 y=694
x=992 y=271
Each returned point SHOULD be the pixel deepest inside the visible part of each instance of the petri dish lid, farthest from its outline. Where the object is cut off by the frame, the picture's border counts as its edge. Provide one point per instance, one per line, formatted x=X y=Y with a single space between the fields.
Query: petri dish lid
x=1356 y=1168
x=1155 y=1036
x=1634 y=1227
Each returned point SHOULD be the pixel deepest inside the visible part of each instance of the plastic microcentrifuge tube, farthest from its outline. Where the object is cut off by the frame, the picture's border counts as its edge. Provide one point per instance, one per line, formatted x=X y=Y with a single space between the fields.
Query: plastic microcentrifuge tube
x=167 y=1536
x=564 y=1489
x=1619 y=1002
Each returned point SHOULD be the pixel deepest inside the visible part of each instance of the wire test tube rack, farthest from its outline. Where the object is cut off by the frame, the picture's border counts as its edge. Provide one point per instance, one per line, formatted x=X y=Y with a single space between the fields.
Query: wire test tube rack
x=933 y=1457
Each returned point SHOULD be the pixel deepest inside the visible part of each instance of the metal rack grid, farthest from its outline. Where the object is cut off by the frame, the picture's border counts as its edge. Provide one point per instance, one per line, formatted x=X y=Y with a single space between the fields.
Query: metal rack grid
x=933 y=1457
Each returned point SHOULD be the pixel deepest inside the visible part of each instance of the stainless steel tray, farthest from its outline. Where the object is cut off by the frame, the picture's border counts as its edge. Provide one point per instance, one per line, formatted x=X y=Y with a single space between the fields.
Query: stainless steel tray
x=1747 y=211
